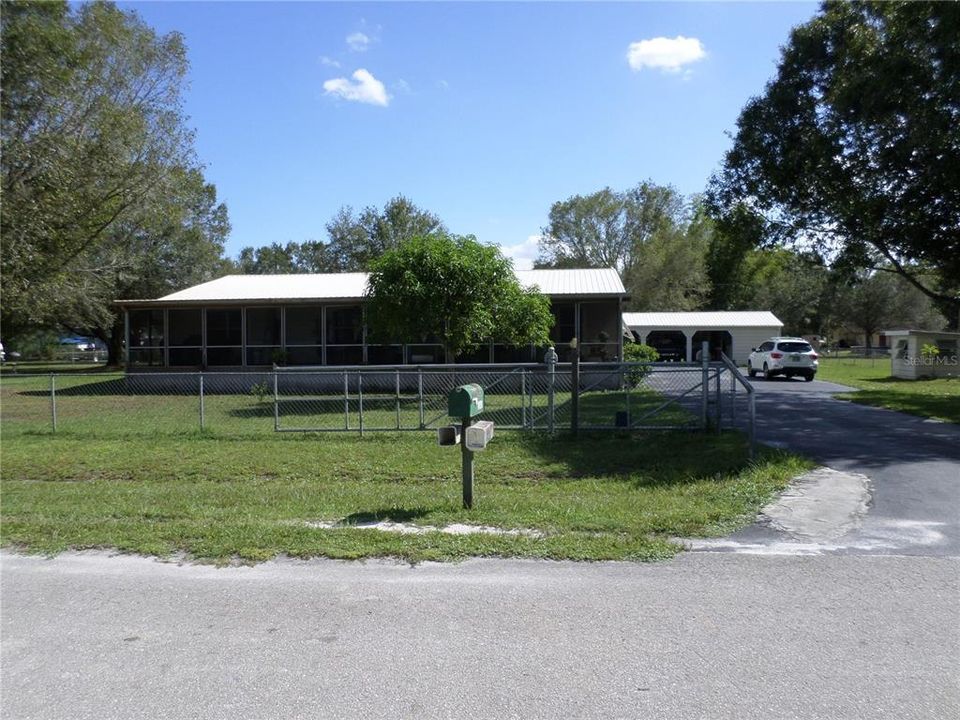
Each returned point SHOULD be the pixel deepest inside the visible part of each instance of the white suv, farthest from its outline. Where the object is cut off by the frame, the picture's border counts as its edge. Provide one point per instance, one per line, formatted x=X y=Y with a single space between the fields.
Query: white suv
x=783 y=356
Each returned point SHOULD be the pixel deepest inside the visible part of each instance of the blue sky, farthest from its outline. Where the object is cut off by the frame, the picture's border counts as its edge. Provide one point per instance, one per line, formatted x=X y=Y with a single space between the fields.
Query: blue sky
x=483 y=113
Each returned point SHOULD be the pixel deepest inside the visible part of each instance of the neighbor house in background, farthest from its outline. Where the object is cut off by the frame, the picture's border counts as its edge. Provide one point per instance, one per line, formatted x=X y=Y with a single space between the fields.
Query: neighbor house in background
x=678 y=335
x=909 y=361
x=254 y=321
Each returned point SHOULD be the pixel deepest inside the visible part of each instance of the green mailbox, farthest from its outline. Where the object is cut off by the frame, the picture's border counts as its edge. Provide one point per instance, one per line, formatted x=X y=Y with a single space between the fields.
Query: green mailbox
x=465 y=401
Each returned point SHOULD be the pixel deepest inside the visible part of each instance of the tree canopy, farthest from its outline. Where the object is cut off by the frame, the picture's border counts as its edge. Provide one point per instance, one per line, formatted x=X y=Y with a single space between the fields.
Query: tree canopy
x=456 y=290
x=354 y=241
x=102 y=193
x=357 y=240
x=311 y=256
x=853 y=146
x=651 y=234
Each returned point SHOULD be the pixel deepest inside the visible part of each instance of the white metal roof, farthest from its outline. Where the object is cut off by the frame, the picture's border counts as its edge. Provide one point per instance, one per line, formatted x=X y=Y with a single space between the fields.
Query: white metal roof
x=275 y=287
x=604 y=281
x=703 y=320
x=340 y=286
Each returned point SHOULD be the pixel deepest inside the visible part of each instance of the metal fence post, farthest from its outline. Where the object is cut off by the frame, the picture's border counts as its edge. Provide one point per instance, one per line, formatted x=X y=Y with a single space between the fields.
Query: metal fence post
x=705 y=382
x=398 y=399
x=575 y=397
x=360 y=399
x=627 y=390
x=752 y=409
x=346 y=401
x=733 y=399
x=523 y=399
x=551 y=359
x=53 y=401
x=420 y=394
x=276 y=402
x=202 y=417
x=719 y=405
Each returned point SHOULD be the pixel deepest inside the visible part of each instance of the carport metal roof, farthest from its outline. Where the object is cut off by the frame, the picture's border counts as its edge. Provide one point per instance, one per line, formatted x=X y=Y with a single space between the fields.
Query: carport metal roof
x=722 y=320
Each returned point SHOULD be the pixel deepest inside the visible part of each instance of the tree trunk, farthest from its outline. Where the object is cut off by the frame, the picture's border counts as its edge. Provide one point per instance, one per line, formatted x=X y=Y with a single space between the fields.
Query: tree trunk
x=115 y=343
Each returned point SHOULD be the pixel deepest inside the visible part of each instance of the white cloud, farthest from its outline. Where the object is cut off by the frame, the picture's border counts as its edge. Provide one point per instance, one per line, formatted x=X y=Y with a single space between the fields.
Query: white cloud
x=358 y=41
x=523 y=254
x=364 y=88
x=666 y=54
x=329 y=62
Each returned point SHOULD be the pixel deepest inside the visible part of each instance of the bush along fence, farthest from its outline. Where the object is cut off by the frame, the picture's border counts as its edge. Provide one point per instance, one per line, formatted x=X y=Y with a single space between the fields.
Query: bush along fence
x=548 y=397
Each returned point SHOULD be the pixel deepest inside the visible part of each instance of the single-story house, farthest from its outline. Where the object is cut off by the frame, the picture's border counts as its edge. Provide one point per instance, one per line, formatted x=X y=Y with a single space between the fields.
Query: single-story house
x=254 y=321
x=678 y=335
x=908 y=361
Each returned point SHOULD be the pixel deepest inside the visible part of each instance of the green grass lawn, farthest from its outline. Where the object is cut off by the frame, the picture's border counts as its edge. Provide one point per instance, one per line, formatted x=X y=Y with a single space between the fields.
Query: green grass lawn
x=26 y=367
x=220 y=498
x=934 y=398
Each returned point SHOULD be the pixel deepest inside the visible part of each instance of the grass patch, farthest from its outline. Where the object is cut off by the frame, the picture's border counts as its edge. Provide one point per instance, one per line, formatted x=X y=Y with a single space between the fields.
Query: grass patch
x=217 y=498
x=937 y=398
x=103 y=405
x=27 y=367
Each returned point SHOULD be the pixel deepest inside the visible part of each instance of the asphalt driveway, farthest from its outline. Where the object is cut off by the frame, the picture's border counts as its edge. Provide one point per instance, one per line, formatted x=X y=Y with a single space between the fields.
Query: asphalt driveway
x=913 y=465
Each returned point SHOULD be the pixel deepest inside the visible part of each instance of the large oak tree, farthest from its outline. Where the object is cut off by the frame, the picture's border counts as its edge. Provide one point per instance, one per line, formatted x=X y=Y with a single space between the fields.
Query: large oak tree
x=102 y=193
x=854 y=146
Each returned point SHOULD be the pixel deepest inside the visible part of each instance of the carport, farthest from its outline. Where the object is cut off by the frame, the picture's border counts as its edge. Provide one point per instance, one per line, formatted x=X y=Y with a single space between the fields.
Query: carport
x=678 y=335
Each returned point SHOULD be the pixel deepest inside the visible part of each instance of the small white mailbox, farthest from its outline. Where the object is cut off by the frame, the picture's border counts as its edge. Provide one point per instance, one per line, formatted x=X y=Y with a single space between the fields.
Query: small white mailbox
x=479 y=434
x=449 y=435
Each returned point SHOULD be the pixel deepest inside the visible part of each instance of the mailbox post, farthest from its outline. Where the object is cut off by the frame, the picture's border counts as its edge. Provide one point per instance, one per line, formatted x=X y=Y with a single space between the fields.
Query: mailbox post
x=466 y=466
x=466 y=402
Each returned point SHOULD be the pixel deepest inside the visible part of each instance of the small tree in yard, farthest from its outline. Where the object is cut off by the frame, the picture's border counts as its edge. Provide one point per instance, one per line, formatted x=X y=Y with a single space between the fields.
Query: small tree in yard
x=454 y=289
x=639 y=353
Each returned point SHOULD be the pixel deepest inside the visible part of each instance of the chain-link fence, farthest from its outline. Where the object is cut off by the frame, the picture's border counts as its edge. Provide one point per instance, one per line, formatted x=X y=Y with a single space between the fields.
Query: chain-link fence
x=550 y=398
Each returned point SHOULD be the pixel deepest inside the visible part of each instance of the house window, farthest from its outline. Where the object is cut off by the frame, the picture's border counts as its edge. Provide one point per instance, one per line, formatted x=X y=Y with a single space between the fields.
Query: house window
x=565 y=327
x=224 y=328
x=224 y=337
x=345 y=335
x=304 y=329
x=345 y=325
x=263 y=335
x=599 y=330
x=425 y=354
x=146 y=328
x=512 y=354
x=385 y=355
x=185 y=331
x=146 y=338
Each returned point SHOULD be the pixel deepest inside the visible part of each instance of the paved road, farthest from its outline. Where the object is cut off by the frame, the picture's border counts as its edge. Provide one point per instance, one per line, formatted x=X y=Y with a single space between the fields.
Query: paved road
x=913 y=465
x=705 y=636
